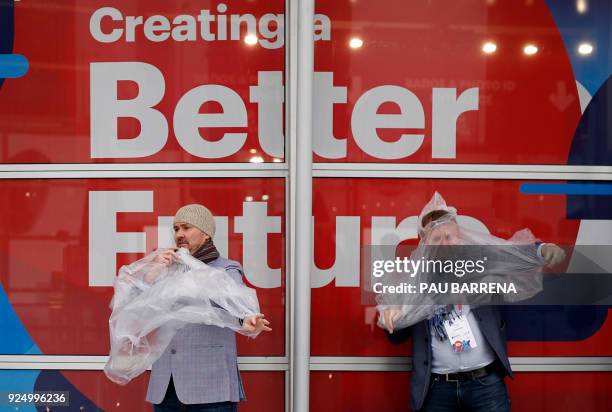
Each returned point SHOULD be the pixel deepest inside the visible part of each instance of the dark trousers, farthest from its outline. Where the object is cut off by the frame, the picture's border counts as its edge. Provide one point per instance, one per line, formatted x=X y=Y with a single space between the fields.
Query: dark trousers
x=485 y=394
x=171 y=403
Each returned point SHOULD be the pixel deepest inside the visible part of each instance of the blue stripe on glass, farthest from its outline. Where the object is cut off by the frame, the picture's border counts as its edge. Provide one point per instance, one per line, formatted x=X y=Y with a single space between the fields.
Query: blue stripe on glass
x=566 y=189
x=13 y=65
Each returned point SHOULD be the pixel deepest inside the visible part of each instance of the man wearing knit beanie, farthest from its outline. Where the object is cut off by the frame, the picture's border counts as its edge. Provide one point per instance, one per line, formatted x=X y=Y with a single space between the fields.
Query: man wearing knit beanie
x=200 y=219
x=199 y=366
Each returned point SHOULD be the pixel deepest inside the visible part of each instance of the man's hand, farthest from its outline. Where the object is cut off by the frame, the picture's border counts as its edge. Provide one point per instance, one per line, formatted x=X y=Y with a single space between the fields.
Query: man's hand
x=166 y=257
x=390 y=316
x=552 y=254
x=256 y=323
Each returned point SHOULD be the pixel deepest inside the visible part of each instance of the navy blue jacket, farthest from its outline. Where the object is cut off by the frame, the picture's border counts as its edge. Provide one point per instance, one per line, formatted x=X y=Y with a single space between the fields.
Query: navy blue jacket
x=492 y=326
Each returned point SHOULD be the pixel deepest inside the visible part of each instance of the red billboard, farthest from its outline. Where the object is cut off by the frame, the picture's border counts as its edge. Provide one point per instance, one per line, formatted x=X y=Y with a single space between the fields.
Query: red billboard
x=204 y=82
x=63 y=241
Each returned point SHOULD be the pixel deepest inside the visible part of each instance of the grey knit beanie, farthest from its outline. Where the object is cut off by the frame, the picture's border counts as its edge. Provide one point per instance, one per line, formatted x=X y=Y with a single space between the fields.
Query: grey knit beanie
x=198 y=216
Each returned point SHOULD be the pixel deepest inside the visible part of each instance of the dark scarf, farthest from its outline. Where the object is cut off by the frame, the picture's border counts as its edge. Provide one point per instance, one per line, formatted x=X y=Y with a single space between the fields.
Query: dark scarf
x=207 y=252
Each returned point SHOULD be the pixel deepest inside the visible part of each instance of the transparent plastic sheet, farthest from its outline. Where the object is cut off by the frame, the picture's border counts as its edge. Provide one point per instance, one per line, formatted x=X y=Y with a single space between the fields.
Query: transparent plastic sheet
x=152 y=302
x=515 y=259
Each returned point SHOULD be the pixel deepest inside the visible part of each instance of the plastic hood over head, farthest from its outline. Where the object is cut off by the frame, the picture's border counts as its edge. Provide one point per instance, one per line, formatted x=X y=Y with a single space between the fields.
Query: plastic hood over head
x=445 y=248
x=437 y=203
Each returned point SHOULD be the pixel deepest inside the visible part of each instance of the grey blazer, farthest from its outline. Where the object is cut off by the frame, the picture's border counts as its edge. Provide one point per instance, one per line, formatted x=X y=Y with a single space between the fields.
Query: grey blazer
x=201 y=359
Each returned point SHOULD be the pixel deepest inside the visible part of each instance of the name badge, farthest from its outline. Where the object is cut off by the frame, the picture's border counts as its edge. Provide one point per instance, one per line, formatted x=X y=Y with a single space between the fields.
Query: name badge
x=459 y=333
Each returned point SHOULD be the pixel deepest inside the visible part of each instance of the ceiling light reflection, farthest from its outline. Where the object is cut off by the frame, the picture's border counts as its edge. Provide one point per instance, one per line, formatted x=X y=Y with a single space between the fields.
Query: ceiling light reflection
x=489 y=47
x=250 y=39
x=585 y=49
x=530 y=50
x=355 y=43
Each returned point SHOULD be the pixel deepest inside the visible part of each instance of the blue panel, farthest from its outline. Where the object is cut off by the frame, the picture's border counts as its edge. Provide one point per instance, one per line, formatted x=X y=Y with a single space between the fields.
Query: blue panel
x=6 y=28
x=553 y=323
x=592 y=142
x=18 y=381
x=55 y=381
x=592 y=26
x=20 y=342
x=592 y=145
x=589 y=207
x=27 y=381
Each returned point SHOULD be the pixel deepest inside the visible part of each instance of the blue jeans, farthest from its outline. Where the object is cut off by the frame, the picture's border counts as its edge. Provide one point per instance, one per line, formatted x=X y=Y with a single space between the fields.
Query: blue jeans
x=486 y=394
x=171 y=403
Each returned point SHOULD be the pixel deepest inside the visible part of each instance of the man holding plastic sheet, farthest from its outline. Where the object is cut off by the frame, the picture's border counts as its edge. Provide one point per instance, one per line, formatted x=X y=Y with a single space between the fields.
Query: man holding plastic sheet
x=447 y=377
x=198 y=371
